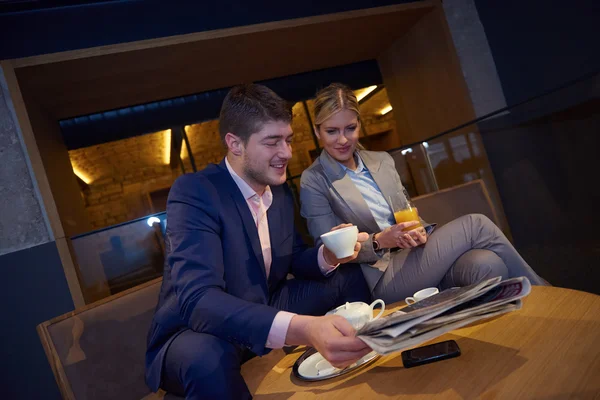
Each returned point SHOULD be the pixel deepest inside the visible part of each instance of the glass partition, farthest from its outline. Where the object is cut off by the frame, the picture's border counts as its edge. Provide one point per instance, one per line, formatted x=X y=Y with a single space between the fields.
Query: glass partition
x=119 y=257
x=414 y=168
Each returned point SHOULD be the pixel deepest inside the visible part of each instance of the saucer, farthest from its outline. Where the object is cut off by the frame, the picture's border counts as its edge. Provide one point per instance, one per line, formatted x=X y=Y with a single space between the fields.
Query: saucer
x=305 y=368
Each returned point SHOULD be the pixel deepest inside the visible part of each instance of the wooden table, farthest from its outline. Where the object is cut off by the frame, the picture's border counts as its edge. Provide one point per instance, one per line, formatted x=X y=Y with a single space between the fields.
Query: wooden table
x=550 y=349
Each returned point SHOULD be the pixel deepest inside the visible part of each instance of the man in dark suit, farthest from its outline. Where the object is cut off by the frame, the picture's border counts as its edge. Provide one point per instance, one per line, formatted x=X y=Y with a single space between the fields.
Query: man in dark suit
x=231 y=243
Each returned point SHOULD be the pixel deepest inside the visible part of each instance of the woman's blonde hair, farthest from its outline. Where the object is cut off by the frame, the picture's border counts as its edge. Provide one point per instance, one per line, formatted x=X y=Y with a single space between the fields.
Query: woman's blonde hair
x=333 y=99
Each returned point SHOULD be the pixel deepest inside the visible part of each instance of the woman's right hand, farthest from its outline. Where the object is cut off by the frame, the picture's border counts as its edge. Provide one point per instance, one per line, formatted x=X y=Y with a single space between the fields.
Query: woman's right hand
x=388 y=238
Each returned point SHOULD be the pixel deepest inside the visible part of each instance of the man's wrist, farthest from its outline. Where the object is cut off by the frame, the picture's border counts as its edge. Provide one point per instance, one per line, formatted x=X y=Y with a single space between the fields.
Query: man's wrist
x=326 y=256
x=297 y=331
x=324 y=265
x=278 y=331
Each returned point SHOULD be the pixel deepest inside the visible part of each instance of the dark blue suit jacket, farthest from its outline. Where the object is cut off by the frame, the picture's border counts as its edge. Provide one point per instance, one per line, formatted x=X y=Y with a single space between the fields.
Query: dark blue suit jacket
x=214 y=278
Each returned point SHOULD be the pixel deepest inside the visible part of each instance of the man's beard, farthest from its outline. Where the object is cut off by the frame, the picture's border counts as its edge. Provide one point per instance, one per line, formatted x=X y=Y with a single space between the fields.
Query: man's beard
x=257 y=176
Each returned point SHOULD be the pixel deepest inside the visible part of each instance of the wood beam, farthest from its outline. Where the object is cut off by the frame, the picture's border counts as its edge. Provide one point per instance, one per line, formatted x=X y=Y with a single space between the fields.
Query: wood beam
x=110 y=77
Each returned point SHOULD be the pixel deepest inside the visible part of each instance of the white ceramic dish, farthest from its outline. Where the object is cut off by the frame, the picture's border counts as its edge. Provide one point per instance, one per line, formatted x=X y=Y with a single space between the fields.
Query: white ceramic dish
x=311 y=366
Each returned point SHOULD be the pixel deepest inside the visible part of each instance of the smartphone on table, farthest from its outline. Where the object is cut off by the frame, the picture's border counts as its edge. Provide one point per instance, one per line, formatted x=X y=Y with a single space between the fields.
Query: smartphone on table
x=430 y=353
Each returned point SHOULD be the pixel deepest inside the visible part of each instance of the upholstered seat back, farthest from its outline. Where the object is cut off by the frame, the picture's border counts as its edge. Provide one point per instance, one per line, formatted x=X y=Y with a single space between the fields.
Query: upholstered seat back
x=98 y=351
x=448 y=204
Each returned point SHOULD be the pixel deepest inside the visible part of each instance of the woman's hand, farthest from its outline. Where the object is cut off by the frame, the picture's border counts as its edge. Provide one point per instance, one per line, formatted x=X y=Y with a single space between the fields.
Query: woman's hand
x=412 y=238
x=388 y=238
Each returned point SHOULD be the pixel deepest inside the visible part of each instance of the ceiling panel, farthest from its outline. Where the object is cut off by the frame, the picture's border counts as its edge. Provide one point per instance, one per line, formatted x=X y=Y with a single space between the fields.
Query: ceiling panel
x=163 y=69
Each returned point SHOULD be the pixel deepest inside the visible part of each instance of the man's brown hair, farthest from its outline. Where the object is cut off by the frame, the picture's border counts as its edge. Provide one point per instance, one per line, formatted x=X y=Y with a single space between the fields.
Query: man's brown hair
x=247 y=107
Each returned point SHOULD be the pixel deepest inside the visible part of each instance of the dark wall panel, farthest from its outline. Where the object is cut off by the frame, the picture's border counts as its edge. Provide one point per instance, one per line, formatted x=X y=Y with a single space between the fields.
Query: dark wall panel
x=539 y=45
x=34 y=290
x=546 y=172
x=544 y=153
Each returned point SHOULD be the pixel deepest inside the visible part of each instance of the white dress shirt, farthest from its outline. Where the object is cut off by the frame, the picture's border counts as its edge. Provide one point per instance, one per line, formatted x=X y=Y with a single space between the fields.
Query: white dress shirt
x=258 y=205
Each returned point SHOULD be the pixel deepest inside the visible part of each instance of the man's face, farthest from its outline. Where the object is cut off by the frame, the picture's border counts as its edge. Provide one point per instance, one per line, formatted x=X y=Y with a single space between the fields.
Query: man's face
x=266 y=155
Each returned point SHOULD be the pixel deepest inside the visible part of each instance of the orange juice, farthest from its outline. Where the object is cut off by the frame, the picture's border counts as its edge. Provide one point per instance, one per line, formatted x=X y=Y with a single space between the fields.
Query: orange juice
x=409 y=214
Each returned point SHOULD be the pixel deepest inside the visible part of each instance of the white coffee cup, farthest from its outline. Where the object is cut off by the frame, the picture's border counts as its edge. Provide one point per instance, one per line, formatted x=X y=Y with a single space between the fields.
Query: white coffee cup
x=359 y=313
x=341 y=241
x=421 y=294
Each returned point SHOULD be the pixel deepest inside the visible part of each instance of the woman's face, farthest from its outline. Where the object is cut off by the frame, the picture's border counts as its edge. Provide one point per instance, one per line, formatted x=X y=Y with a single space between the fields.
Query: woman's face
x=339 y=135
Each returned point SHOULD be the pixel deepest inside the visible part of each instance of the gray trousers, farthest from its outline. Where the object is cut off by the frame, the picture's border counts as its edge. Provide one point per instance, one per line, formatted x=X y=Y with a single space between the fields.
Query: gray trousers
x=464 y=251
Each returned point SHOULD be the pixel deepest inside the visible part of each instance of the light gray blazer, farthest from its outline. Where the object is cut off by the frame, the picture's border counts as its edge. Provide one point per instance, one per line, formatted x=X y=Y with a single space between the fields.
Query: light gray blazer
x=329 y=198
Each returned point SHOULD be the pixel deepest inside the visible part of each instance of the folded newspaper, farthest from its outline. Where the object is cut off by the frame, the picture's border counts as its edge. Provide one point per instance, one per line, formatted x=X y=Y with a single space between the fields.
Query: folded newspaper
x=443 y=312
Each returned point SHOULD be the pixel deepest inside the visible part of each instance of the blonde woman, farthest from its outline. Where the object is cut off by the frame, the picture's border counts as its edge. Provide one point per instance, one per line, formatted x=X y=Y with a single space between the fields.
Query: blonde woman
x=347 y=184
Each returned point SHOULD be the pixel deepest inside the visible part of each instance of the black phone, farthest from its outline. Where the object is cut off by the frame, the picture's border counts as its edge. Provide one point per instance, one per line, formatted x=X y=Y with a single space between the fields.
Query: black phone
x=431 y=353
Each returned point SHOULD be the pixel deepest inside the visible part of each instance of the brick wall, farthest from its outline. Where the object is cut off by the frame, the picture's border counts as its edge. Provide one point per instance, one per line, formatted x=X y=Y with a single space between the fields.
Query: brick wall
x=123 y=173
x=205 y=143
x=370 y=113
x=303 y=141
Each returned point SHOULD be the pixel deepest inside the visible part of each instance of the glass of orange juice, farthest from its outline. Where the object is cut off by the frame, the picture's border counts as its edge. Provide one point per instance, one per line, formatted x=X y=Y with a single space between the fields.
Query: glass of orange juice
x=407 y=213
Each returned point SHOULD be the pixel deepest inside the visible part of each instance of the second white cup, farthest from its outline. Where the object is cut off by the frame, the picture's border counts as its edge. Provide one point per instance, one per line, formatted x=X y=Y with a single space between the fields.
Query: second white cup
x=421 y=294
x=341 y=241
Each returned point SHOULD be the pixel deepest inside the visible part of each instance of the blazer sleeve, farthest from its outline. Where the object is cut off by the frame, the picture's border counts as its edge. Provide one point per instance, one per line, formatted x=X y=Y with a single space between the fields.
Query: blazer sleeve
x=319 y=215
x=197 y=270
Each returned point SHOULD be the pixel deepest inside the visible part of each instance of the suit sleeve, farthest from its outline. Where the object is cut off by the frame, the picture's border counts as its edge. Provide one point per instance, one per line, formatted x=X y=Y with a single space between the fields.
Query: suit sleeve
x=197 y=270
x=316 y=208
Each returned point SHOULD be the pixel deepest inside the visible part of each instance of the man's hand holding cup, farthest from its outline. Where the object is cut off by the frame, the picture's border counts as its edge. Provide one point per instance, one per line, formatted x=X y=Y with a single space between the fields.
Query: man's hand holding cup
x=342 y=244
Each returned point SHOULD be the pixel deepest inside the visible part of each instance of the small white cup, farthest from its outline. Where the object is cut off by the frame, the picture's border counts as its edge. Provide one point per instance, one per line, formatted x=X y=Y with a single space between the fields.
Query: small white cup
x=359 y=313
x=341 y=241
x=421 y=294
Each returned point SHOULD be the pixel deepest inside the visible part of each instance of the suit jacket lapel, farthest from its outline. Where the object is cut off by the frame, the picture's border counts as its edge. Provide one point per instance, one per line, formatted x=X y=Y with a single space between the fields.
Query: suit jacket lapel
x=247 y=219
x=347 y=191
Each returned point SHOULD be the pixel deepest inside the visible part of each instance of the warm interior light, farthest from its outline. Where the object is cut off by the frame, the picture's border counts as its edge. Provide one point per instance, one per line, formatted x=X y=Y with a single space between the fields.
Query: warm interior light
x=385 y=110
x=183 y=153
x=81 y=175
x=362 y=93
x=167 y=141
